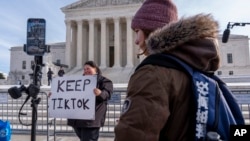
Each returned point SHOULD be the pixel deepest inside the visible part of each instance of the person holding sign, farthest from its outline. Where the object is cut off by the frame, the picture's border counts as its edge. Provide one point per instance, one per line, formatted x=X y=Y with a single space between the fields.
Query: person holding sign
x=88 y=130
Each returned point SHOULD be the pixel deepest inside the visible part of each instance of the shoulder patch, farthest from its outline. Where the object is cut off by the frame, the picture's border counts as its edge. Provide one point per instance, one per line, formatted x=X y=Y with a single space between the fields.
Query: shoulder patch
x=126 y=105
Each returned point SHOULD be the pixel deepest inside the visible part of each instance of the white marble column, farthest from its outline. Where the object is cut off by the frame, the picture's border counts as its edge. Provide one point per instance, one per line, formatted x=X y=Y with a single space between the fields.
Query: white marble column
x=117 y=43
x=68 y=44
x=79 y=52
x=103 y=44
x=130 y=52
x=85 y=42
x=74 y=45
x=91 y=39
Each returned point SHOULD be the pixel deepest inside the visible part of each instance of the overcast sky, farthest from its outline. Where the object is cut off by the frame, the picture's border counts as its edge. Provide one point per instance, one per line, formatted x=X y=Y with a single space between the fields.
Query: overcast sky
x=14 y=15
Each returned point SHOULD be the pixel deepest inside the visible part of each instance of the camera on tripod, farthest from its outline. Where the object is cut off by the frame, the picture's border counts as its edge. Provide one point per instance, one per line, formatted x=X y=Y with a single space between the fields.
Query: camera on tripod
x=35 y=46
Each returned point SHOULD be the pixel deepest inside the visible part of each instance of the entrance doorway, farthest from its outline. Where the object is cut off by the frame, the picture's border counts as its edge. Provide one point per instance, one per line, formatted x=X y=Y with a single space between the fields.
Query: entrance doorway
x=111 y=56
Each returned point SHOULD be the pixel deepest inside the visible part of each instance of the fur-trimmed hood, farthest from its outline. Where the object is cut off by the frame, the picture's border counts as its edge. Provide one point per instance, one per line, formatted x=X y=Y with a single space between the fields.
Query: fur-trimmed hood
x=192 y=39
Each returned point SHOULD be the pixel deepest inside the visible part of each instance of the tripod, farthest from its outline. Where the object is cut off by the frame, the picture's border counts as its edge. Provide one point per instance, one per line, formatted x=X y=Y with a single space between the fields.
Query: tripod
x=33 y=92
x=35 y=46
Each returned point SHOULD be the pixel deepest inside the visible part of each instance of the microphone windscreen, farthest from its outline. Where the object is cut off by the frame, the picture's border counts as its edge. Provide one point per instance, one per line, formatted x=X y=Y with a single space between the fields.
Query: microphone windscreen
x=225 y=35
x=14 y=92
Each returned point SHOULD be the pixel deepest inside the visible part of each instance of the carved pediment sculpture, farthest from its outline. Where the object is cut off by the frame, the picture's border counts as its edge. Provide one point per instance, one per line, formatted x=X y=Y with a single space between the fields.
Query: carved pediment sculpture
x=100 y=3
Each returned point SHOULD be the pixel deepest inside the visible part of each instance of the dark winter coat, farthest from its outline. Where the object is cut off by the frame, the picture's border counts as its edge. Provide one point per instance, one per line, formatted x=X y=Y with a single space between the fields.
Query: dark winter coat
x=159 y=100
x=49 y=74
x=106 y=86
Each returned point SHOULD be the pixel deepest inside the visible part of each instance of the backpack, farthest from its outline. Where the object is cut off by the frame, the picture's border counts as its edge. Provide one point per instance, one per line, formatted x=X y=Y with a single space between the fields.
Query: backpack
x=216 y=107
x=5 y=131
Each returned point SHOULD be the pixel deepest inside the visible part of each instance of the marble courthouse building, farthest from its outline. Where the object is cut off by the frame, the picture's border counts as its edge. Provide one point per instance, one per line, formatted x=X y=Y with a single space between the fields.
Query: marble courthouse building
x=99 y=30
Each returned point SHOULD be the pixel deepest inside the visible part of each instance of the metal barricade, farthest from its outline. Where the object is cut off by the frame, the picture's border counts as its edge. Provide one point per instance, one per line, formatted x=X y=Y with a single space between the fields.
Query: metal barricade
x=21 y=120
x=243 y=99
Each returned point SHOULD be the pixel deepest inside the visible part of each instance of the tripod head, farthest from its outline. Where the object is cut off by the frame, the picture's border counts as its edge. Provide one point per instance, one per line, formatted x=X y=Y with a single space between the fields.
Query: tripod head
x=31 y=91
x=34 y=88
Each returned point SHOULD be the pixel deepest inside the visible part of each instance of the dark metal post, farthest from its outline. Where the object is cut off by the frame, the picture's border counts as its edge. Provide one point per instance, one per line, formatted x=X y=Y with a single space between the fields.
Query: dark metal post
x=35 y=101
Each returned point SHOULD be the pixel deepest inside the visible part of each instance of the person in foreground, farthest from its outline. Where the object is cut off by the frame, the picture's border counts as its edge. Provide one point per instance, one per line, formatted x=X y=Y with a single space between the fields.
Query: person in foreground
x=88 y=130
x=159 y=101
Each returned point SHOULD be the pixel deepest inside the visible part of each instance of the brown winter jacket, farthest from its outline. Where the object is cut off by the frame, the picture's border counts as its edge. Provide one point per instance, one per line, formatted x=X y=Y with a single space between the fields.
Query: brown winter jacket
x=159 y=101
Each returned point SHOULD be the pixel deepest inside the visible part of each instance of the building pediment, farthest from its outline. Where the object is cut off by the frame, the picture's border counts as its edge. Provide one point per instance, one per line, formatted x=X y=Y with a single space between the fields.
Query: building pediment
x=99 y=3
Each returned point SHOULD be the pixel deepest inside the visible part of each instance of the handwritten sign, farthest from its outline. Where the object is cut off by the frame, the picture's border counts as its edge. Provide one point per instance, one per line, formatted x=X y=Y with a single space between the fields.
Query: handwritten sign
x=73 y=97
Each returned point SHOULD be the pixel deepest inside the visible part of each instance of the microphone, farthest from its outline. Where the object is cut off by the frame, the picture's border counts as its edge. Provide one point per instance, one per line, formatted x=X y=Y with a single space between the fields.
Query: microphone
x=225 y=35
x=15 y=92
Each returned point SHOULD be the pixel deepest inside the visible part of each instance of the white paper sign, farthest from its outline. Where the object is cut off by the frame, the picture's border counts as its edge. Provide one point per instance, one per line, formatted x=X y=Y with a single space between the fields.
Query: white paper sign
x=73 y=97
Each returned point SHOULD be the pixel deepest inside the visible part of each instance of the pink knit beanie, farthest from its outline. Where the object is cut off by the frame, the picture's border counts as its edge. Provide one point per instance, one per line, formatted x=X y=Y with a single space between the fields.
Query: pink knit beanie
x=154 y=14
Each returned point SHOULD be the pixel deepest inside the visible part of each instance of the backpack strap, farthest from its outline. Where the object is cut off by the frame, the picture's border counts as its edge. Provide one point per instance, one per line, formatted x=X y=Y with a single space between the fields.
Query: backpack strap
x=231 y=100
x=165 y=60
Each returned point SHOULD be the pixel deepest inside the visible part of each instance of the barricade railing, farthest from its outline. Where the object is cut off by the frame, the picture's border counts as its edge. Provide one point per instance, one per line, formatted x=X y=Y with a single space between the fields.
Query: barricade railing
x=9 y=109
x=19 y=113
